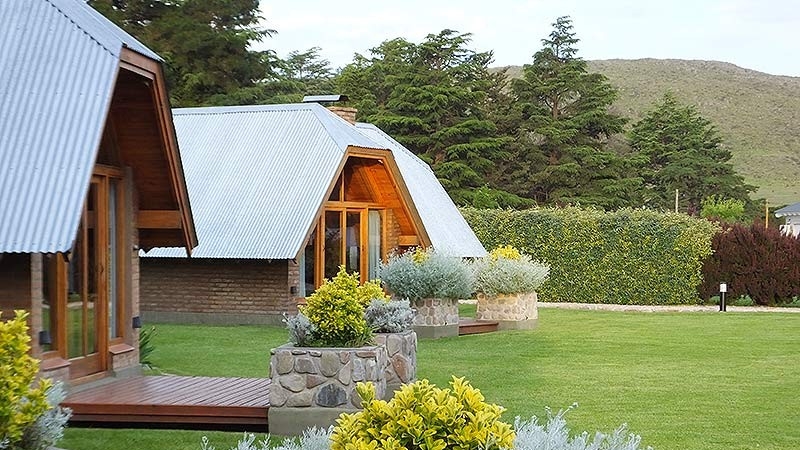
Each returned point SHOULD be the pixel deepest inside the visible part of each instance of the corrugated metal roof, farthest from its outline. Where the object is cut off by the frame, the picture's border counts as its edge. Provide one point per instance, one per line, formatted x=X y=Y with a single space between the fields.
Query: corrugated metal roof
x=791 y=210
x=446 y=227
x=257 y=176
x=58 y=75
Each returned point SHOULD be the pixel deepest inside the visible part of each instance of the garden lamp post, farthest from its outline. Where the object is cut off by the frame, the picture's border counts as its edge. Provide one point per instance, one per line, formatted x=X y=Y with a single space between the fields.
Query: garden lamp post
x=723 y=289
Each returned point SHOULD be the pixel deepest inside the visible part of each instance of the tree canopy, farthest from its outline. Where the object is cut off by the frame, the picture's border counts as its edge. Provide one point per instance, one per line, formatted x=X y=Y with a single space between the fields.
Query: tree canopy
x=683 y=150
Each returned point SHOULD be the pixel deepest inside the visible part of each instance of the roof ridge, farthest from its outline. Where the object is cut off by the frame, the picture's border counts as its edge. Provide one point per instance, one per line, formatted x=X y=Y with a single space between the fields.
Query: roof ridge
x=83 y=30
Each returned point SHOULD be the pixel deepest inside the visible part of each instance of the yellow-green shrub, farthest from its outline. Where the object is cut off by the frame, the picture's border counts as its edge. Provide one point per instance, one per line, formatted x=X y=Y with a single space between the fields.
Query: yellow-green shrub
x=20 y=402
x=422 y=416
x=631 y=256
x=336 y=312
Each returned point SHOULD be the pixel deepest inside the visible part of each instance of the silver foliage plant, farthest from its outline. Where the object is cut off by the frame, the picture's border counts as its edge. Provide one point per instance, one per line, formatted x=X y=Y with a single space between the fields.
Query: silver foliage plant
x=531 y=435
x=508 y=276
x=389 y=317
x=301 y=330
x=555 y=435
x=420 y=274
x=48 y=428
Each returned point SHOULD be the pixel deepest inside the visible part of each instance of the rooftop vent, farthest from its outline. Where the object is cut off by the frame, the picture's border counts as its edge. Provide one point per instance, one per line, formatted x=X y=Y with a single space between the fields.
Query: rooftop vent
x=332 y=98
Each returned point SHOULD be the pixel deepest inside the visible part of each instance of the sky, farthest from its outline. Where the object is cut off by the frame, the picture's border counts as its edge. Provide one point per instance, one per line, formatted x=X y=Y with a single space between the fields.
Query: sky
x=762 y=35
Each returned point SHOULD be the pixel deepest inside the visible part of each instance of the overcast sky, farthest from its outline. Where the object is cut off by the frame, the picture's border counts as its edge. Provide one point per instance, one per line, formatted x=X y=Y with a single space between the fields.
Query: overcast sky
x=763 y=35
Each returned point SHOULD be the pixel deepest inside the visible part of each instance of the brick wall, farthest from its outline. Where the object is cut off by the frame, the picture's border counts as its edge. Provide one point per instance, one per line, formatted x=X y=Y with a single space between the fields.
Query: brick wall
x=15 y=283
x=216 y=290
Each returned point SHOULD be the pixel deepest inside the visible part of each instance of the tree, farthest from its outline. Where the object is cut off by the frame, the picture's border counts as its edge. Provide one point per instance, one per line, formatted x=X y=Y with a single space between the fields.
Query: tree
x=205 y=45
x=433 y=97
x=566 y=124
x=682 y=150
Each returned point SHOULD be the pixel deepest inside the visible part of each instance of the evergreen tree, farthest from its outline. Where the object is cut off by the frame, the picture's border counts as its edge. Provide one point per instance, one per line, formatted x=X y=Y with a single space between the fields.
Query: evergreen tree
x=566 y=124
x=683 y=151
x=433 y=97
x=205 y=44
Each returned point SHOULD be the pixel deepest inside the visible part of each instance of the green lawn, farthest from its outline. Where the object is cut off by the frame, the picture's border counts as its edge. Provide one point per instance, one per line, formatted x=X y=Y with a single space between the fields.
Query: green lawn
x=681 y=380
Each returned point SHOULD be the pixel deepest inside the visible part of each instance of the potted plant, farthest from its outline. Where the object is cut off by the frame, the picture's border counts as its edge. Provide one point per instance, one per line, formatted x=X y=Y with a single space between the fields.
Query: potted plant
x=332 y=348
x=433 y=283
x=506 y=282
x=392 y=321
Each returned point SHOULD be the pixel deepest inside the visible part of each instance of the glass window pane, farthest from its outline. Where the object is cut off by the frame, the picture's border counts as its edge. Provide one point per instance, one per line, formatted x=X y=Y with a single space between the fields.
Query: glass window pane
x=49 y=298
x=307 y=266
x=374 y=251
x=333 y=243
x=353 y=248
x=113 y=261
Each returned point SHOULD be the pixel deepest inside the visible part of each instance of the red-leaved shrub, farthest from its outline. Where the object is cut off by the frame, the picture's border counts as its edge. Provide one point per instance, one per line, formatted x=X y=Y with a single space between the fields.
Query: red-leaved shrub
x=755 y=261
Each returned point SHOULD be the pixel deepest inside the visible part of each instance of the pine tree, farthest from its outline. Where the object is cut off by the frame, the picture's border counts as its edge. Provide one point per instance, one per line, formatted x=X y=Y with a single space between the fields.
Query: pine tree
x=432 y=97
x=566 y=126
x=684 y=151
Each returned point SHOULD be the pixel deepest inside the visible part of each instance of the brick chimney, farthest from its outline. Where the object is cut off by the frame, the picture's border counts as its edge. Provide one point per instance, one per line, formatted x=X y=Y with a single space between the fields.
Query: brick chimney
x=345 y=112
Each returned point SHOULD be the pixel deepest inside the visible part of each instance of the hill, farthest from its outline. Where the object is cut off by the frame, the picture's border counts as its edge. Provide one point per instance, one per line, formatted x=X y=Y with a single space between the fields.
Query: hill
x=757 y=114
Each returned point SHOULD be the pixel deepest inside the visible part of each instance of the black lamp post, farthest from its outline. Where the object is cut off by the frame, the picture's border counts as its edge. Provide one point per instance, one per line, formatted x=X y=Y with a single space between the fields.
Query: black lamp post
x=723 y=289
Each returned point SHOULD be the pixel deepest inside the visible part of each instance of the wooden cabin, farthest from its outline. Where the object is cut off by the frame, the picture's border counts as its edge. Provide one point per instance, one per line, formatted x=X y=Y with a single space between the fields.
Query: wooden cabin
x=283 y=196
x=90 y=173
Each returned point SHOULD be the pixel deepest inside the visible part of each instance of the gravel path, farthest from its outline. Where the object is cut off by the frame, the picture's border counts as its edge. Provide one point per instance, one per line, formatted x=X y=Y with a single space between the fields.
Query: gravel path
x=667 y=308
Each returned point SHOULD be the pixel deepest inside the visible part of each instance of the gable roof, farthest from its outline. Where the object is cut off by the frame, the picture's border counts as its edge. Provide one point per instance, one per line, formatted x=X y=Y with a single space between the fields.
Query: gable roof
x=446 y=227
x=261 y=199
x=791 y=210
x=59 y=64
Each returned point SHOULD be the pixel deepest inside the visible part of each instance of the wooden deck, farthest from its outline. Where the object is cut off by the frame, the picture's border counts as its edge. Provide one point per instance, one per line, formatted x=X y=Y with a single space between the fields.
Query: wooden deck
x=172 y=401
x=472 y=326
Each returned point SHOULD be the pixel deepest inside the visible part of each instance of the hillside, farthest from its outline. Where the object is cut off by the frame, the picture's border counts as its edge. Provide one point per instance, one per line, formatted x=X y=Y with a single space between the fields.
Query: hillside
x=757 y=114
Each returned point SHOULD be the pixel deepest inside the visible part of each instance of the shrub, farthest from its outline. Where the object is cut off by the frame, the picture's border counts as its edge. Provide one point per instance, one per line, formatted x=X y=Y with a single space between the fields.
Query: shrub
x=336 y=313
x=426 y=274
x=389 y=317
x=755 y=261
x=146 y=346
x=627 y=256
x=21 y=404
x=507 y=271
x=311 y=439
x=48 y=428
x=727 y=210
x=422 y=416
x=301 y=330
x=555 y=435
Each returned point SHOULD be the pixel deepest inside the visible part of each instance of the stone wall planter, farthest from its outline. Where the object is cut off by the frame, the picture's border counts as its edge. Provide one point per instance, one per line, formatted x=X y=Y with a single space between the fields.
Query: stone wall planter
x=401 y=349
x=510 y=311
x=436 y=317
x=312 y=386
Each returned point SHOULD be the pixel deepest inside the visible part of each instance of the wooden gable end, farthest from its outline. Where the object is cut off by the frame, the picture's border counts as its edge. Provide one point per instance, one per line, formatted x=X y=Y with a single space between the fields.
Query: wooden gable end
x=144 y=135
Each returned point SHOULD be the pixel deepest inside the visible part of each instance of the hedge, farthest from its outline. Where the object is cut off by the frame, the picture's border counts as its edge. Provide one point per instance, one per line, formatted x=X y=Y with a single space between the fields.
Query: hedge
x=630 y=256
x=755 y=261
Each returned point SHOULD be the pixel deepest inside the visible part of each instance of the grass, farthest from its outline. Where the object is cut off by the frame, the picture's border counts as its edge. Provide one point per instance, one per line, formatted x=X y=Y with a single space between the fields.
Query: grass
x=702 y=381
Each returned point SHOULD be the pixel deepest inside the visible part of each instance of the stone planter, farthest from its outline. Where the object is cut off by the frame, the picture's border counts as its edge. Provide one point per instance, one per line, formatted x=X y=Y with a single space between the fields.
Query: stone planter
x=436 y=317
x=510 y=311
x=313 y=386
x=401 y=349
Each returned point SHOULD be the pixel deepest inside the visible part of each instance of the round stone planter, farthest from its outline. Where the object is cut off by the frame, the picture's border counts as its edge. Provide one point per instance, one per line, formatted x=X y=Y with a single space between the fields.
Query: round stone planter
x=401 y=349
x=436 y=317
x=510 y=311
x=312 y=386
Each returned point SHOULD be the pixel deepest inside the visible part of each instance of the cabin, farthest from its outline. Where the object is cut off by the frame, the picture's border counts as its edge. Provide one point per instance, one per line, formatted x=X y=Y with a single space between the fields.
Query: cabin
x=283 y=195
x=791 y=215
x=90 y=174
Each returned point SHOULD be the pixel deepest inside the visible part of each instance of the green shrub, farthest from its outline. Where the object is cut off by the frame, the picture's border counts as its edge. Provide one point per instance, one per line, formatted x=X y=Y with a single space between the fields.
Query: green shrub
x=422 y=416
x=725 y=209
x=426 y=274
x=506 y=271
x=21 y=404
x=146 y=346
x=336 y=312
x=628 y=256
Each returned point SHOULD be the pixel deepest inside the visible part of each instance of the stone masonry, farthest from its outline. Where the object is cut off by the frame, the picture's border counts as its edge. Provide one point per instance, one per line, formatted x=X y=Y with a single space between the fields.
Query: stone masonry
x=402 y=352
x=435 y=312
x=509 y=310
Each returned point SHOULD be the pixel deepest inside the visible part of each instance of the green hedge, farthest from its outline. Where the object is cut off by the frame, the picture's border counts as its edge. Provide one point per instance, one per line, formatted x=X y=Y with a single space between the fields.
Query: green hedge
x=630 y=256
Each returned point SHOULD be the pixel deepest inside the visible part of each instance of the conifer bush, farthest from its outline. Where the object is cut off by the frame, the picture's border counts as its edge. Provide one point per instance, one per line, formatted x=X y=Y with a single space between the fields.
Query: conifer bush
x=754 y=261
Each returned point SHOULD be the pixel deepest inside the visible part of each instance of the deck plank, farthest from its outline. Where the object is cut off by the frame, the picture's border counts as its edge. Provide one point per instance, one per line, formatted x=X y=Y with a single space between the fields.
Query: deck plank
x=174 y=400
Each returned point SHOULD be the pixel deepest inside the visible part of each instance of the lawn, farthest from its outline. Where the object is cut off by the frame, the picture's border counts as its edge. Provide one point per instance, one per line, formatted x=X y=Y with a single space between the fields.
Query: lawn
x=681 y=380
